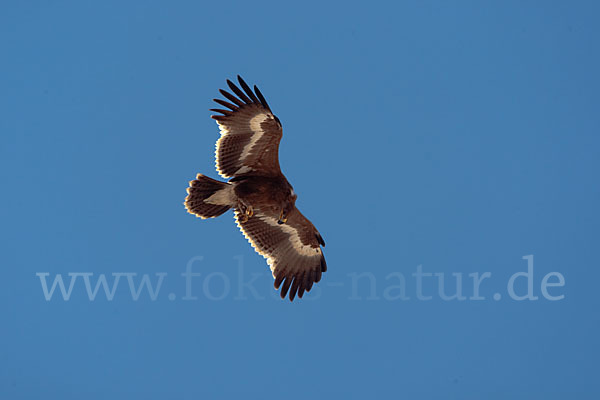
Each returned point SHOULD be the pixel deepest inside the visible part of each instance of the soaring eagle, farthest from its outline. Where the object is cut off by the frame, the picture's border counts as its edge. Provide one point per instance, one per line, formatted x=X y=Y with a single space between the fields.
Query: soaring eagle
x=262 y=198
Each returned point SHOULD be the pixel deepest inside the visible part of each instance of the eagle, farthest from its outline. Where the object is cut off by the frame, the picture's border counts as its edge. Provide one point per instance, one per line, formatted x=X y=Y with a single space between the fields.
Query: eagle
x=264 y=202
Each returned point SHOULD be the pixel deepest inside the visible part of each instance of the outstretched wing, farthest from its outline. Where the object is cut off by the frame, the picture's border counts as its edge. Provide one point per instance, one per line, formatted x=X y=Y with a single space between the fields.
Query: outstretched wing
x=293 y=250
x=250 y=134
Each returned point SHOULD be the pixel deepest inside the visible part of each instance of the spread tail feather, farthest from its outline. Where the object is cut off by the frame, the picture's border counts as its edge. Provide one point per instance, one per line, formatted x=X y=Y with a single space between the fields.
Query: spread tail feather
x=208 y=198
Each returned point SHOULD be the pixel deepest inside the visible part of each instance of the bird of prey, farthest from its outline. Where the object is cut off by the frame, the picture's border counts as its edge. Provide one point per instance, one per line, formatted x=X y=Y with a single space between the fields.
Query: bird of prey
x=262 y=198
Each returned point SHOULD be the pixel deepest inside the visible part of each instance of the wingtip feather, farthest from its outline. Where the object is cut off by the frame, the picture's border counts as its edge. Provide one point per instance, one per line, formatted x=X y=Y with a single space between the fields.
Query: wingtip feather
x=247 y=89
x=262 y=98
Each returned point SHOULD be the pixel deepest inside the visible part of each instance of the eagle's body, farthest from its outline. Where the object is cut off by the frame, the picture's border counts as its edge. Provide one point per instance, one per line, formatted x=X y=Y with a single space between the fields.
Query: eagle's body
x=263 y=199
x=265 y=191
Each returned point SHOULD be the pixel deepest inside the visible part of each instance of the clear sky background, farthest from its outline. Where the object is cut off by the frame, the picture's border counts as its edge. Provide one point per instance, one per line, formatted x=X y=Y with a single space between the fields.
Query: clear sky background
x=458 y=136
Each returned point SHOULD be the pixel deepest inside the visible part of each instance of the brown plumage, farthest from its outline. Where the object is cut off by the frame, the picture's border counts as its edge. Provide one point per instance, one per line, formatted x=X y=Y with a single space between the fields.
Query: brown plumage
x=262 y=198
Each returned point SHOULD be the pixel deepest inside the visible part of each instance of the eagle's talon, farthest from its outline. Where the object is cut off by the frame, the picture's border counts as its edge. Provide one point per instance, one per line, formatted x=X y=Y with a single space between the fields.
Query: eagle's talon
x=245 y=211
x=282 y=218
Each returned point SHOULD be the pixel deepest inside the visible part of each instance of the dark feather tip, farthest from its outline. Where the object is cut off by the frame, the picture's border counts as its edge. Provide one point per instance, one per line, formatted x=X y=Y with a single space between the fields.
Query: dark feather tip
x=224 y=103
x=261 y=98
x=231 y=97
x=224 y=112
x=320 y=239
x=286 y=286
x=247 y=89
x=238 y=92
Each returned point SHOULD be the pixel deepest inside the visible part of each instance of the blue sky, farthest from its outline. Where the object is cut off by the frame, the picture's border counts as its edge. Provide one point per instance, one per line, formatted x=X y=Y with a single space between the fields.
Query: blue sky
x=455 y=136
